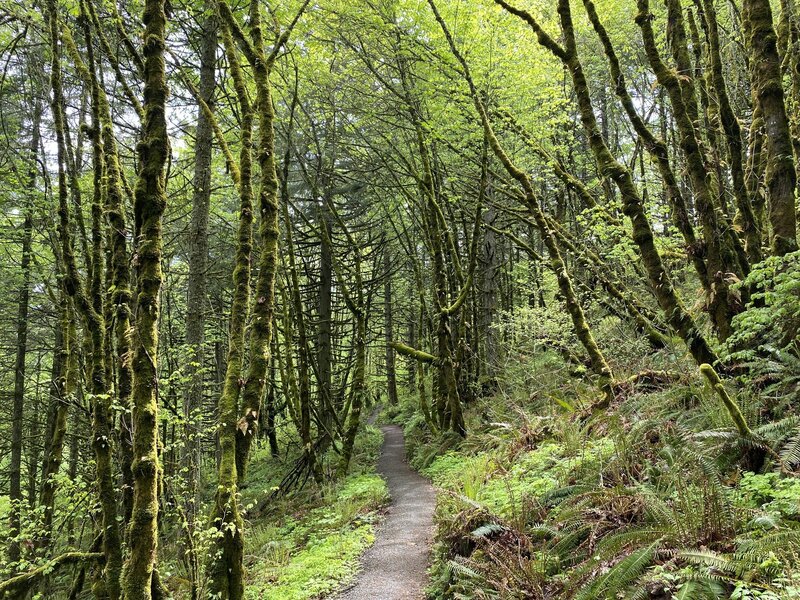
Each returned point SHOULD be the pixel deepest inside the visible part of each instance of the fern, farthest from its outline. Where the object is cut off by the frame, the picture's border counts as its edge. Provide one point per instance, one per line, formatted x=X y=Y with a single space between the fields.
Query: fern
x=699 y=590
x=641 y=593
x=621 y=575
x=790 y=453
x=485 y=531
x=615 y=543
x=706 y=558
x=456 y=567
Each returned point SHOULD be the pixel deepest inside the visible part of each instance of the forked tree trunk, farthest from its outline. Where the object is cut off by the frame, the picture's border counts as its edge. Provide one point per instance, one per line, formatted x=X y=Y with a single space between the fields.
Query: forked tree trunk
x=224 y=568
x=87 y=305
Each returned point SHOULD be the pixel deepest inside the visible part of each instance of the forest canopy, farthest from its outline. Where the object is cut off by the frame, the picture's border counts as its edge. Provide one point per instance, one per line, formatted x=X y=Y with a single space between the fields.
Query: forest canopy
x=555 y=241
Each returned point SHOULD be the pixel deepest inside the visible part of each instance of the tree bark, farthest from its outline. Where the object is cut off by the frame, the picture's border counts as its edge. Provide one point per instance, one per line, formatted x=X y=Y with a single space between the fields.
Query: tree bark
x=18 y=402
x=761 y=42
x=149 y=205
x=198 y=263
x=388 y=327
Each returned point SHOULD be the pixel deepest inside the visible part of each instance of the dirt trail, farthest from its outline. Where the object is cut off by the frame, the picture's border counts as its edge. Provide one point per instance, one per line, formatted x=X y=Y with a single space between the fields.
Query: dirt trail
x=395 y=567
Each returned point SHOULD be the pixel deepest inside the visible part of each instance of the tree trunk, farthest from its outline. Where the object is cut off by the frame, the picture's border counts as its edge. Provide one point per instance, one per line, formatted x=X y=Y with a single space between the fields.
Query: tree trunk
x=93 y=321
x=490 y=273
x=720 y=257
x=198 y=265
x=18 y=402
x=225 y=564
x=149 y=204
x=58 y=427
x=325 y=316
x=761 y=42
x=388 y=324
x=733 y=135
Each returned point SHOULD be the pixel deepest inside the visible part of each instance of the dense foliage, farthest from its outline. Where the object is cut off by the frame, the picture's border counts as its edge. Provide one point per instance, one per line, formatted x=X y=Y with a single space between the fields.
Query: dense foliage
x=556 y=240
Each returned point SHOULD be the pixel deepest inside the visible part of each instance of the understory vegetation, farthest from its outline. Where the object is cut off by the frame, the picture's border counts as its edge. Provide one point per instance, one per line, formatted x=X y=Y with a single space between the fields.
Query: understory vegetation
x=658 y=496
x=557 y=240
x=308 y=545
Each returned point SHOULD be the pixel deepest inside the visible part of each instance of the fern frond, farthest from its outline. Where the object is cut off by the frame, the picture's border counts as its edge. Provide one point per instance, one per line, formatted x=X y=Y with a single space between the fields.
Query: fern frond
x=622 y=574
x=777 y=430
x=790 y=453
x=487 y=530
x=459 y=569
x=706 y=558
x=558 y=495
x=699 y=590
x=566 y=545
x=615 y=543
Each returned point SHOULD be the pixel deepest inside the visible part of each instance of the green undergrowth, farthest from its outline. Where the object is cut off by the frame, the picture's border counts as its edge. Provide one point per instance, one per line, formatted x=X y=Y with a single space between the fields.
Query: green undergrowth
x=304 y=545
x=307 y=546
x=656 y=498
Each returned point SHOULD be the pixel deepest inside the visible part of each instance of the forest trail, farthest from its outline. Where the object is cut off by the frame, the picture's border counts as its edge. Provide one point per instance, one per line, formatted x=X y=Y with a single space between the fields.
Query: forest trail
x=394 y=568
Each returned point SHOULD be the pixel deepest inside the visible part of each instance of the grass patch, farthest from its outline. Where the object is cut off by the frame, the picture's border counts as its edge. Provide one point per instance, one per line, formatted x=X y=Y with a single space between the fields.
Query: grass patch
x=308 y=545
x=318 y=569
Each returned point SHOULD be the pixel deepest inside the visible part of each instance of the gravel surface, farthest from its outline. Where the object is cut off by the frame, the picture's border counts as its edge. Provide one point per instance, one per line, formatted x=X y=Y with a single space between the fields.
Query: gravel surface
x=394 y=568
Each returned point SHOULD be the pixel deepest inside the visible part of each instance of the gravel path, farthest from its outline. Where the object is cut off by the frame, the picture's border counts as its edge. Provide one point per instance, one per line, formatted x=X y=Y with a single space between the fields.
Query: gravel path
x=395 y=567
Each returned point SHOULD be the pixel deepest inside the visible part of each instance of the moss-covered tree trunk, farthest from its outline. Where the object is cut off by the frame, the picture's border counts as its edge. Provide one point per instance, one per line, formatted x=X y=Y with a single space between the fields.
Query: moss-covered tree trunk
x=225 y=570
x=149 y=203
x=388 y=327
x=721 y=259
x=119 y=300
x=94 y=325
x=733 y=136
x=238 y=428
x=447 y=401
x=789 y=49
x=264 y=302
x=56 y=432
x=781 y=178
x=655 y=146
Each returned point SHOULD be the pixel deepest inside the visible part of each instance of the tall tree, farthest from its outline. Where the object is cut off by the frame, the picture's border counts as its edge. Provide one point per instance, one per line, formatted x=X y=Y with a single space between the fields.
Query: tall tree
x=388 y=324
x=198 y=259
x=23 y=303
x=149 y=204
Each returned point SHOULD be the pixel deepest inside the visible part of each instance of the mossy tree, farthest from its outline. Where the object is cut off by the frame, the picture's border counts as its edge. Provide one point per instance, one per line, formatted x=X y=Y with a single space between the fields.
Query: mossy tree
x=781 y=177
x=150 y=201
